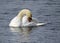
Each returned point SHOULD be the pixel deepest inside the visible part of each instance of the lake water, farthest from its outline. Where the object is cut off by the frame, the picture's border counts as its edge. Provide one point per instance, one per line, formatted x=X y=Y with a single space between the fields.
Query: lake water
x=44 y=10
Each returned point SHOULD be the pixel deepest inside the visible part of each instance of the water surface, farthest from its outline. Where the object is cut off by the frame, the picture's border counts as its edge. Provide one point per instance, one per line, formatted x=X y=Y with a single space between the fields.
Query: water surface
x=43 y=10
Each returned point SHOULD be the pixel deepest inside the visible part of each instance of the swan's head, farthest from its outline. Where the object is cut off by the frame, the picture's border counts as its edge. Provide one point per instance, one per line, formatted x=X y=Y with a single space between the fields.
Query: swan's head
x=25 y=12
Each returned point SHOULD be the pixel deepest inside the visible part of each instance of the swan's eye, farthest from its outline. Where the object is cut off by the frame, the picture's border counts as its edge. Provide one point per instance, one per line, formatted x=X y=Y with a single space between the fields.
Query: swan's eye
x=29 y=19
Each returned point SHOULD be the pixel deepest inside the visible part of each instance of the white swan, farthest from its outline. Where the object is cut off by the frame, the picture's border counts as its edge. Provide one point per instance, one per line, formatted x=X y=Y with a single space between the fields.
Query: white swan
x=24 y=18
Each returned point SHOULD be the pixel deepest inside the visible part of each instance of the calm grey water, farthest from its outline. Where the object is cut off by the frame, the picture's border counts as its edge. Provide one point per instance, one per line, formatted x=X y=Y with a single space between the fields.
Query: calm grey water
x=43 y=10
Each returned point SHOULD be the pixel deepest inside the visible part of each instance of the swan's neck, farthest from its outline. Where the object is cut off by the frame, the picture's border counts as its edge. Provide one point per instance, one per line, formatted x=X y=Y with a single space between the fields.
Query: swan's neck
x=24 y=20
x=24 y=12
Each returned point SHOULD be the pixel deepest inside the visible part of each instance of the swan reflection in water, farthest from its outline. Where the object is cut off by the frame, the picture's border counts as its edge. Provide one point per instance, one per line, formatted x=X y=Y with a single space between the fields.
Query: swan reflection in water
x=22 y=30
x=21 y=33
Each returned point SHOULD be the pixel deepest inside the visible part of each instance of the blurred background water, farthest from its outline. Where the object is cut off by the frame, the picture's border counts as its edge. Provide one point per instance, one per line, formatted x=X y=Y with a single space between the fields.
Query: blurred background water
x=43 y=10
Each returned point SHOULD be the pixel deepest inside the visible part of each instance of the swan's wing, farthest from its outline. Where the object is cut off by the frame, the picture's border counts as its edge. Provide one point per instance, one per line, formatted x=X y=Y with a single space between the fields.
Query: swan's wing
x=34 y=20
x=15 y=22
x=30 y=24
x=35 y=24
x=40 y=24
